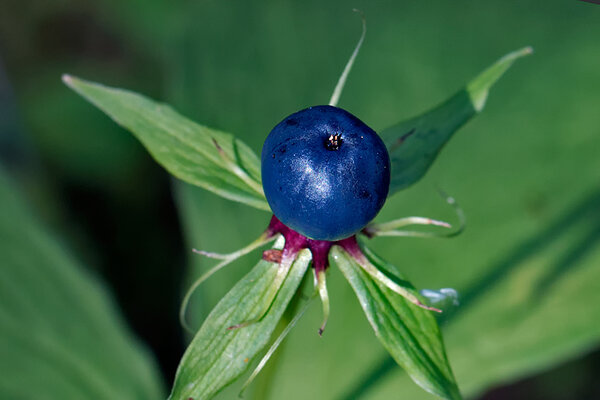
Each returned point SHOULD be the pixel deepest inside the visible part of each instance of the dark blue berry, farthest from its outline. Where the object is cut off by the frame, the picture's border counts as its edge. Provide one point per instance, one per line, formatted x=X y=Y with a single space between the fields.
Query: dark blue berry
x=325 y=173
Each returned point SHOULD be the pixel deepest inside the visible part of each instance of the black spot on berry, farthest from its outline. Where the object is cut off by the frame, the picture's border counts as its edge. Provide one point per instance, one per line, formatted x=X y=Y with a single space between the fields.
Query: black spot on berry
x=291 y=122
x=282 y=150
x=364 y=194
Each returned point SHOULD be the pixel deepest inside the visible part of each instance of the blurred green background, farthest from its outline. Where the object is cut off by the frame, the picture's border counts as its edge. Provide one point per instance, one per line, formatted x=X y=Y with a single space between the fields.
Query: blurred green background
x=526 y=171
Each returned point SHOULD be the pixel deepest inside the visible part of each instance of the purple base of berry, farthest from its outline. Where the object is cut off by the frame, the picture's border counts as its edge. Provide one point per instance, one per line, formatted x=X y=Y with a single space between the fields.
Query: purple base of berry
x=294 y=242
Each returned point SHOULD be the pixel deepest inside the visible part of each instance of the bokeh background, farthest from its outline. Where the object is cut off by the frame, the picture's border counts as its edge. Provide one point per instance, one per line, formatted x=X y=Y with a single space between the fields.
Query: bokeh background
x=526 y=171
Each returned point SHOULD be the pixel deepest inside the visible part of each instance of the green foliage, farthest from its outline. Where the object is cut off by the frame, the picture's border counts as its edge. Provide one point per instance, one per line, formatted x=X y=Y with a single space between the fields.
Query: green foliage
x=414 y=144
x=513 y=171
x=218 y=355
x=409 y=333
x=530 y=307
x=60 y=335
x=187 y=150
x=527 y=164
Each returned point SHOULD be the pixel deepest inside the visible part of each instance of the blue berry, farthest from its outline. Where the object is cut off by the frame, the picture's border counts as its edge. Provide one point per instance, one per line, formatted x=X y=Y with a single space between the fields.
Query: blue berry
x=325 y=173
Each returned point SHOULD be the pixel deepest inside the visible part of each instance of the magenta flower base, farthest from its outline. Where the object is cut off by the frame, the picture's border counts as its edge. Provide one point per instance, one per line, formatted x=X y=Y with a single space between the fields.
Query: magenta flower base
x=294 y=242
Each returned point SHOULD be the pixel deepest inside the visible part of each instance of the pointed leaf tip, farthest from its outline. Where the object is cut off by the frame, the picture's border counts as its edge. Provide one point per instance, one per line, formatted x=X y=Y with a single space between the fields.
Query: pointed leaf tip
x=478 y=88
x=67 y=79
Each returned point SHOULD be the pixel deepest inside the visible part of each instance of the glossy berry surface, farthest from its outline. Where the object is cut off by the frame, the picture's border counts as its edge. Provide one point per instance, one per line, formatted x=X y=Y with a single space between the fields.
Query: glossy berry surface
x=325 y=173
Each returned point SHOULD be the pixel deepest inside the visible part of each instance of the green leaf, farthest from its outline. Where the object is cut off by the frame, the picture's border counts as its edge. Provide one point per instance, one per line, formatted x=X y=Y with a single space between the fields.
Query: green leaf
x=216 y=356
x=414 y=144
x=202 y=156
x=524 y=310
x=533 y=155
x=60 y=334
x=409 y=333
